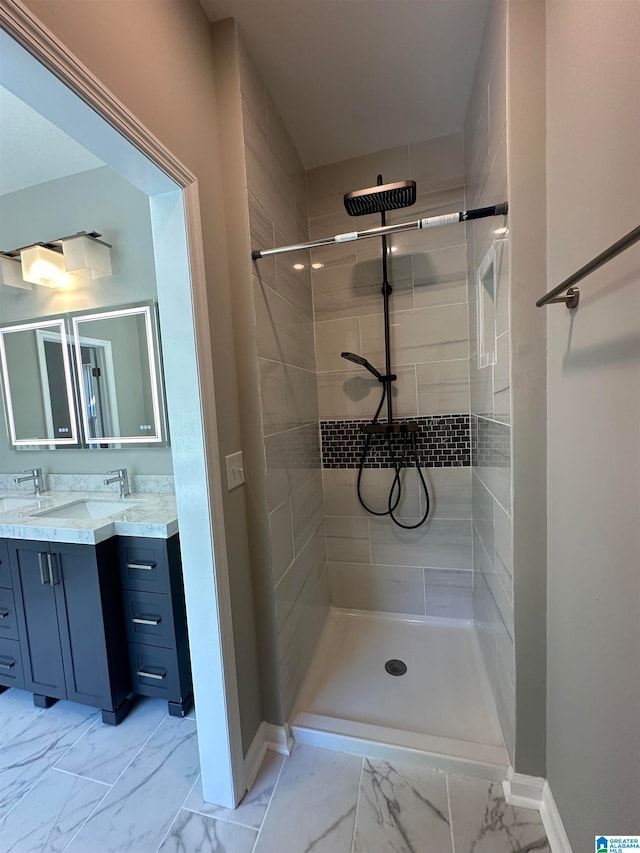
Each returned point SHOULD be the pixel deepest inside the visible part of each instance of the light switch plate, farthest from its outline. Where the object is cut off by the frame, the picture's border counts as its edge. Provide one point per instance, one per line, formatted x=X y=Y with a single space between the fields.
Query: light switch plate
x=235 y=470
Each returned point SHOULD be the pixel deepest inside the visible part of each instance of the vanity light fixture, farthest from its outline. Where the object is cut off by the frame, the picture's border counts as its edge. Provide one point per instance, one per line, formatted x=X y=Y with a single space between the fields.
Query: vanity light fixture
x=44 y=266
x=11 y=273
x=59 y=262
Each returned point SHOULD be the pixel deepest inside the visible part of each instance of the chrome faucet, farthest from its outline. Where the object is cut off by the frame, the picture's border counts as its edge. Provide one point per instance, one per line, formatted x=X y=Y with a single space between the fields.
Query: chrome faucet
x=35 y=474
x=122 y=478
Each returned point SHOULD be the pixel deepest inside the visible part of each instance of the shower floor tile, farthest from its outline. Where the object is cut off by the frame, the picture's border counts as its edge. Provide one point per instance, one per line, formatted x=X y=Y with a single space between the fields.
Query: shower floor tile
x=443 y=703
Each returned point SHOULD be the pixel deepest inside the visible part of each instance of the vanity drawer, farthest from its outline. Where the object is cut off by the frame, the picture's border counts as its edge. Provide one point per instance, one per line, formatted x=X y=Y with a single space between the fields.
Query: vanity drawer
x=11 y=674
x=154 y=671
x=143 y=564
x=149 y=618
x=5 y=573
x=8 y=624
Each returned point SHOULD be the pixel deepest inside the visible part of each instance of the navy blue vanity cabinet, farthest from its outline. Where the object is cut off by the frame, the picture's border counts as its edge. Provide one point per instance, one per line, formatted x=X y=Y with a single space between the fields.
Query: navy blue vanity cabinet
x=70 y=624
x=155 y=619
x=10 y=657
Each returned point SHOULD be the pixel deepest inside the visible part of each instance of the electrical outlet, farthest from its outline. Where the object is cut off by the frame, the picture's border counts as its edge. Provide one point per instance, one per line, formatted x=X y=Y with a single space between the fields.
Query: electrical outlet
x=235 y=470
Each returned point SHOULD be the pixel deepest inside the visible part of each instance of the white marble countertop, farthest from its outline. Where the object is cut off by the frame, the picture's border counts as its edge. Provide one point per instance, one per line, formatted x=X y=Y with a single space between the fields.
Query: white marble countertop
x=149 y=515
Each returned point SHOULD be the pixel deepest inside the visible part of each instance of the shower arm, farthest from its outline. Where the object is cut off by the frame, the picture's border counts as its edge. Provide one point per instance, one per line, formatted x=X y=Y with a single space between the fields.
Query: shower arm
x=383 y=231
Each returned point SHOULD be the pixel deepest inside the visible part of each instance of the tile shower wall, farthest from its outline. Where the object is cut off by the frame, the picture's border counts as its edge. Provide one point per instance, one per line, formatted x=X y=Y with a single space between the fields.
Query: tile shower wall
x=277 y=206
x=486 y=170
x=372 y=563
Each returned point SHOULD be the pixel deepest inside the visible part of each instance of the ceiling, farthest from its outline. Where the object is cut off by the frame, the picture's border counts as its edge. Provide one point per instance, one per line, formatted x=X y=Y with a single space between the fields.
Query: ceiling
x=354 y=76
x=33 y=150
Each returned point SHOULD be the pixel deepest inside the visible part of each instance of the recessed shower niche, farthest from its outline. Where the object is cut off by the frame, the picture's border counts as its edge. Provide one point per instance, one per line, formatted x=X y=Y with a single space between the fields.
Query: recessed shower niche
x=85 y=379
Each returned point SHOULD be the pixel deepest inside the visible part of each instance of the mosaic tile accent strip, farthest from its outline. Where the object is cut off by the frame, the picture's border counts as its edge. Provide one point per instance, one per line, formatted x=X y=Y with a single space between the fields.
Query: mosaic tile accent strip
x=490 y=443
x=444 y=441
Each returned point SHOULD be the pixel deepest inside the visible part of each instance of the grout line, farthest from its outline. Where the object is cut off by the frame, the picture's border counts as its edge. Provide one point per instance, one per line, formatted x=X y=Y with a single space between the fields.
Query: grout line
x=170 y=827
x=355 y=820
x=218 y=817
x=98 y=805
x=4 y=744
x=273 y=793
x=453 y=843
x=80 y=776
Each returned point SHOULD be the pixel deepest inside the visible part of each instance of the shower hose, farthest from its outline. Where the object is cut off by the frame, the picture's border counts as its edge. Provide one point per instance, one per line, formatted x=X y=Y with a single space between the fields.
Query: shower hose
x=395 y=493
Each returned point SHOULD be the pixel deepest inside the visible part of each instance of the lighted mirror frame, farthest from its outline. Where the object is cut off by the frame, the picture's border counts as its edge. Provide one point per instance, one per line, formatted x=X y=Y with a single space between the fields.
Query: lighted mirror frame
x=155 y=437
x=39 y=325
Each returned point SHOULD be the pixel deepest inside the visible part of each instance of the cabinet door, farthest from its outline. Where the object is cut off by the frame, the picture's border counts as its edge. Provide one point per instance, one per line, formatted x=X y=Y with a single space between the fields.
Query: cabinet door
x=82 y=629
x=37 y=619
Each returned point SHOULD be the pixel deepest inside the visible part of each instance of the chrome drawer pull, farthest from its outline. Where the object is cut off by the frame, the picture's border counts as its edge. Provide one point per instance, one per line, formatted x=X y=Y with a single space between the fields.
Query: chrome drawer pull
x=141 y=620
x=43 y=578
x=149 y=567
x=7 y=665
x=144 y=674
x=4 y=614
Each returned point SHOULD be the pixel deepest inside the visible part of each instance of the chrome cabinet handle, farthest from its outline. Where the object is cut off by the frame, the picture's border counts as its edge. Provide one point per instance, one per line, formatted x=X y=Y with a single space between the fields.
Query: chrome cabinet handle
x=149 y=567
x=150 y=620
x=53 y=578
x=144 y=674
x=9 y=665
x=4 y=614
x=43 y=578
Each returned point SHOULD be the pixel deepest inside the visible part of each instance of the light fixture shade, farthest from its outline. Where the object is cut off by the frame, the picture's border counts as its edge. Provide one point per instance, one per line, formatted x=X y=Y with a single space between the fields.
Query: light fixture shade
x=11 y=273
x=86 y=257
x=44 y=267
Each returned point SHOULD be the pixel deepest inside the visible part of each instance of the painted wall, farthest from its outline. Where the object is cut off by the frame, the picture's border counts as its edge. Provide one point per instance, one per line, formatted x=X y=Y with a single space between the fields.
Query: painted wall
x=266 y=199
x=98 y=200
x=164 y=51
x=593 y=375
x=372 y=563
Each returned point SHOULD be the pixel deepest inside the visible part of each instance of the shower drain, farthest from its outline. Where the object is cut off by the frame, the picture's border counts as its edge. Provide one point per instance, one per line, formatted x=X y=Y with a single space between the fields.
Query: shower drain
x=395 y=667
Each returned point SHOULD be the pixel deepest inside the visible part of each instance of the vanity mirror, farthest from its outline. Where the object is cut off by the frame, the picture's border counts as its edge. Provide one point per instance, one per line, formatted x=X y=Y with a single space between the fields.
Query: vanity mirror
x=38 y=388
x=107 y=370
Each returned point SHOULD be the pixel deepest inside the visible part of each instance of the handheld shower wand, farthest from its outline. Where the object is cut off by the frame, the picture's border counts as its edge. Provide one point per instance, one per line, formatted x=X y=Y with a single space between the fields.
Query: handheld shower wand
x=358 y=359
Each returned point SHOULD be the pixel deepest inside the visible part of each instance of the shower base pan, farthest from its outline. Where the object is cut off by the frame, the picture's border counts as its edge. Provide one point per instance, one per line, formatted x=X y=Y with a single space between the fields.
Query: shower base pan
x=440 y=713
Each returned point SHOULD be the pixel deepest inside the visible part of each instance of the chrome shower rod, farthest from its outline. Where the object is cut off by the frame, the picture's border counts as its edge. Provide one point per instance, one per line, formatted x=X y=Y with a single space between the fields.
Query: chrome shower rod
x=416 y=224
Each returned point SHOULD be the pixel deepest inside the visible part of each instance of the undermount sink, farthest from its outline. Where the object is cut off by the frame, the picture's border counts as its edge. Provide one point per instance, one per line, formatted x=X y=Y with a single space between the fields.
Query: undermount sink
x=88 y=509
x=7 y=504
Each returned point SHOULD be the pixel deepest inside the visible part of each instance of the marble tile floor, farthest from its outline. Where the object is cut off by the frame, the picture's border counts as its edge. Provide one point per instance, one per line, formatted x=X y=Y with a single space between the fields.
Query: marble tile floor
x=67 y=782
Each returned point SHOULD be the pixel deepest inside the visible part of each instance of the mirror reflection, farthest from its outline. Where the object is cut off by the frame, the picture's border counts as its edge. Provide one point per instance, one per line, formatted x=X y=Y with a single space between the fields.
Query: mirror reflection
x=117 y=376
x=36 y=372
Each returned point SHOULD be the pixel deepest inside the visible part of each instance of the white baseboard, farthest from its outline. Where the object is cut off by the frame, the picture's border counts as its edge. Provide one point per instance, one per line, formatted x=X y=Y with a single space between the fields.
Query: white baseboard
x=268 y=736
x=533 y=792
x=553 y=825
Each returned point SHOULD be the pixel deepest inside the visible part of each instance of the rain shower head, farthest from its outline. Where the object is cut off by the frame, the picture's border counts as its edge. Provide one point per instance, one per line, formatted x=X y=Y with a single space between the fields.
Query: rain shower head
x=358 y=359
x=380 y=198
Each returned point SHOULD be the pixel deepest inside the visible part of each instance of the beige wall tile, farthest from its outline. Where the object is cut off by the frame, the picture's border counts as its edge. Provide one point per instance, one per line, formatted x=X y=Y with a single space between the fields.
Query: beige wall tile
x=253 y=90
x=328 y=184
x=289 y=464
x=421 y=335
x=450 y=491
x=395 y=589
x=439 y=543
x=341 y=497
x=272 y=395
x=483 y=520
x=290 y=585
x=292 y=283
x=502 y=538
x=334 y=337
x=307 y=511
x=284 y=333
x=443 y=387
x=285 y=152
x=266 y=180
x=347 y=539
x=351 y=394
x=316 y=610
x=440 y=277
x=449 y=593
x=280 y=526
x=438 y=163
x=355 y=290
x=301 y=396
x=262 y=237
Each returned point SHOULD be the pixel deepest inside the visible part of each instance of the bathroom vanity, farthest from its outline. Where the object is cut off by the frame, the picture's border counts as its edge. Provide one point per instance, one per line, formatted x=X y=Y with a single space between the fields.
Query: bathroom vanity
x=92 y=608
